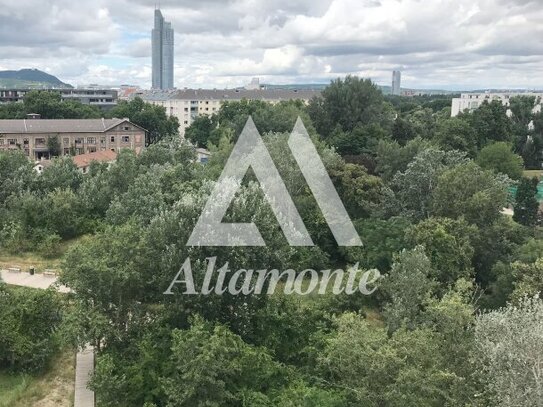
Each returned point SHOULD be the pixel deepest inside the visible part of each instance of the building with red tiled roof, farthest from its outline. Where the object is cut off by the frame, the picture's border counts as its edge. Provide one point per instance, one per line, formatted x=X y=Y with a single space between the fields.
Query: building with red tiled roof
x=84 y=161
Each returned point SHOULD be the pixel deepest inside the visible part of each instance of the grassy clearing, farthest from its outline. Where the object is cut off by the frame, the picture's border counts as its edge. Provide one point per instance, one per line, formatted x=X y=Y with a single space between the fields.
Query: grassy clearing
x=55 y=388
x=533 y=173
x=26 y=260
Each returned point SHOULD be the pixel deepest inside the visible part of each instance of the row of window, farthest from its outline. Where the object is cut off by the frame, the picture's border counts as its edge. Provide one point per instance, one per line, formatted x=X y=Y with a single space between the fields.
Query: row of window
x=66 y=141
x=92 y=140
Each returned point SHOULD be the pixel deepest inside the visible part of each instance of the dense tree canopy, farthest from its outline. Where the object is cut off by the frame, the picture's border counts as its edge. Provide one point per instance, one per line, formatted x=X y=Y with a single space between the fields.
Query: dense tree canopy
x=426 y=194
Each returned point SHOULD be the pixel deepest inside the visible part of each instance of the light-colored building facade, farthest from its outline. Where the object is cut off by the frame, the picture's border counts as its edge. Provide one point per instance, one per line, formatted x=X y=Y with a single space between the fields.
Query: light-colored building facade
x=73 y=137
x=396 y=83
x=468 y=102
x=102 y=98
x=163 y=53
x=188 y=104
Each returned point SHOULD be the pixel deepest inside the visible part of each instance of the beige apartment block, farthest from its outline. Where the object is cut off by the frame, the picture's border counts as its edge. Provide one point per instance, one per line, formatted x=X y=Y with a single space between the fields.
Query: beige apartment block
x=74 y=137
x=188 y=104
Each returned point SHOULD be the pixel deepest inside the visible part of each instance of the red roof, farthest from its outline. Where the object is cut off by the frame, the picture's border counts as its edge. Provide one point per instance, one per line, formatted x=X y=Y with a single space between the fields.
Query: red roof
x=84 y=160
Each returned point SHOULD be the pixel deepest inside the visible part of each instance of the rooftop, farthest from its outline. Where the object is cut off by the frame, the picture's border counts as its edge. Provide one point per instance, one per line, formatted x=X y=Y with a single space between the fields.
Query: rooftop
x=22 y=126
x=230 y=94
x=84 y=160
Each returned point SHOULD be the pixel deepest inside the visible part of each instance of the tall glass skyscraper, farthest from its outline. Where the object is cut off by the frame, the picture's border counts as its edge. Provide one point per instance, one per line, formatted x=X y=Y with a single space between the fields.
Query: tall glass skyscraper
x=162 y=53
x=396 y=83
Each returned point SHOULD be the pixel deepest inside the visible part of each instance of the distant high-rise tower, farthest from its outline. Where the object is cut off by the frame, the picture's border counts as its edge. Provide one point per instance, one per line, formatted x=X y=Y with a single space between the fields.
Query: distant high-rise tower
x=162 y=53
x=396 y=82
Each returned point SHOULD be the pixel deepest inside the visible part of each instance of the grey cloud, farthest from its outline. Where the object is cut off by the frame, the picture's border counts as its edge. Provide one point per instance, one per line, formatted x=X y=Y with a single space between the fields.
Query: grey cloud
x=225 y=42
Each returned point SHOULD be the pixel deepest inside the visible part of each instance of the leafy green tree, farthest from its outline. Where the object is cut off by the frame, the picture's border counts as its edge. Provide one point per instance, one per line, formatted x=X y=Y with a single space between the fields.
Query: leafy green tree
x=410 y=368
x=499 y=157
x=526 y=205
x=447 y=242
x=301 y=394
x=381 y=240
x=530 y=251
x=214 y=367
x=528 y=279
x=62 y=173
x=403 y=131
x=349 y=103
x=393 y=158
x=470 y=192
x=490 y=123
x=408 y=286
x=268 y=118
x=360 y=140
x=362 y=193
x=49 y=105
x=200 y=131
x=28 y=322
x=496 y=242
x=16 y=174
x=54 y=147
x=509 y=348
x=414 y=187
x=456 y=133
x=151 y=117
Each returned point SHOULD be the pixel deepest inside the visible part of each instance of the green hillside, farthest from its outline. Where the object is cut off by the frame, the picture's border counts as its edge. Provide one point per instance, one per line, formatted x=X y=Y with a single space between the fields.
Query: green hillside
x=30 y=78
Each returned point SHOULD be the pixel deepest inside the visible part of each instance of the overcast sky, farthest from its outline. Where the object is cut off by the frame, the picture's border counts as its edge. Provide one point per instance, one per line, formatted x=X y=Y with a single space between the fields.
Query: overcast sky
x=453 y=44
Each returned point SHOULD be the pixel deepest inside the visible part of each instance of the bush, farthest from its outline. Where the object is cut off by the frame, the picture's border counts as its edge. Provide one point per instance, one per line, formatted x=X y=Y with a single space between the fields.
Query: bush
x=49 y=247
x=28 y=322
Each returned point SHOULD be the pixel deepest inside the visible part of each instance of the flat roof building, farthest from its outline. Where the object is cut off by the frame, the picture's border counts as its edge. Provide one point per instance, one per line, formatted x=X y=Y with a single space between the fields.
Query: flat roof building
x=103 y=98
x=188 y=104
x=472 y=101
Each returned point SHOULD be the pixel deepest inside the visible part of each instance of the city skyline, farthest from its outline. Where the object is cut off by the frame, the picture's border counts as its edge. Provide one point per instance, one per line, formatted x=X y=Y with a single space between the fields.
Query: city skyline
x=474 y=44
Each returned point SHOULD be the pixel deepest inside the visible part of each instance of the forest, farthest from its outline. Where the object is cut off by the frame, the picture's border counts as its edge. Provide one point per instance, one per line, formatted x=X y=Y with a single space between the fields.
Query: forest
x=456 y=318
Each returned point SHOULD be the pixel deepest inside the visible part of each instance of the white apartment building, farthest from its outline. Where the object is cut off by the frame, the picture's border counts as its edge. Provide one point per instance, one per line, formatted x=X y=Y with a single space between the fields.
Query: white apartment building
x=187 y=104
x=471 y=101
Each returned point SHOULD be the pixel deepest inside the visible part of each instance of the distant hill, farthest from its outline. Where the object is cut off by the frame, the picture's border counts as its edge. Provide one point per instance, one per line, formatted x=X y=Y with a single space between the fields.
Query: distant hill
x=30 y=78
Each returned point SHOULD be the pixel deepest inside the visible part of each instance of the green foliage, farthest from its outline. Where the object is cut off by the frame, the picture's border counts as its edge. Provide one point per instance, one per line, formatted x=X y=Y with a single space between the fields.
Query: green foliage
x=406 y=369
x=447 y=242
x=509 y=348
x=28 y=321
x=456 y=133
x=151 y=117
x=214 y=367
x=526 y=205
x=200 y=131
x=528 y=279
x=470 y=192
x=348 y=103
x=393 y=158
x=415 y=186
x=500 y=158
x=429 y=218
x=408 y=286
x=54 y=147
x=381 y=239
x=49 y=106
x=49 y=247
x=490 y=123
